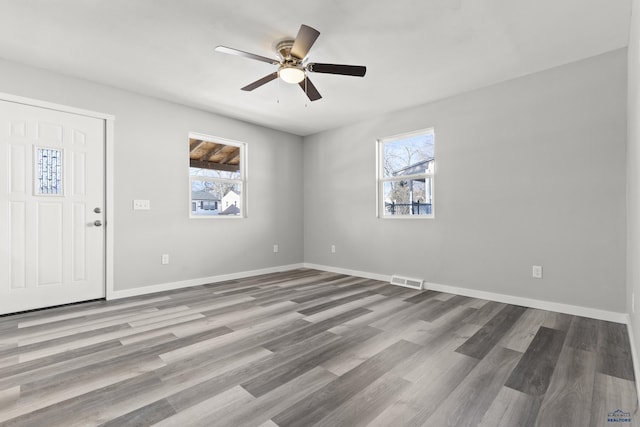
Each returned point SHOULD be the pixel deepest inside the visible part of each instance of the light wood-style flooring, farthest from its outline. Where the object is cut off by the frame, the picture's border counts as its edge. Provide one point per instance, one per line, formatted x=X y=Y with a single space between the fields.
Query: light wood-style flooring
x=311 y=348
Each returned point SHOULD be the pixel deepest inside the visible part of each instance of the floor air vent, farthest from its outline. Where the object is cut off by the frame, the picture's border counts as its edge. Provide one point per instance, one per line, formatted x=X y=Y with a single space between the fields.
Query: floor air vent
x=407 y=282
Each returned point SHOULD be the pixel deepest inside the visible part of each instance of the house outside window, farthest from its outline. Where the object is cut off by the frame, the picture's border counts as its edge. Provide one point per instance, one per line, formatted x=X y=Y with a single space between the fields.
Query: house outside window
x=406 y=169
x=217 y=177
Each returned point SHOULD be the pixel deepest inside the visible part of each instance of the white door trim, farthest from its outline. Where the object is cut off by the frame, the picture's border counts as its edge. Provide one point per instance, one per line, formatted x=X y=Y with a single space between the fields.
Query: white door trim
x=108 y=170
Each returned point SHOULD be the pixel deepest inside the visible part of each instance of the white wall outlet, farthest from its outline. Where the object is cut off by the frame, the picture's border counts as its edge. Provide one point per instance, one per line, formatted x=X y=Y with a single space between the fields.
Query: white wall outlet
x=165 y=259
x=333 y=249
x=141 y=205
x=275 y=249
x=536 y=272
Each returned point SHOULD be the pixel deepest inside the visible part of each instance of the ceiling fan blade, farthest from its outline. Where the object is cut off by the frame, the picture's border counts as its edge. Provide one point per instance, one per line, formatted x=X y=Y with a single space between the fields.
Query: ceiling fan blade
x=304 y=40
x=258 y=83
x=345 y=70
x=310 y=89
x=231 y=51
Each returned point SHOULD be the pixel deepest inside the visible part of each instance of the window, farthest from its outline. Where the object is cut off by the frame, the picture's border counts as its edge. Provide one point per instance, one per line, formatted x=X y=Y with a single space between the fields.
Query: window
x=48 y=170
x=406 y=167
x=216 y=177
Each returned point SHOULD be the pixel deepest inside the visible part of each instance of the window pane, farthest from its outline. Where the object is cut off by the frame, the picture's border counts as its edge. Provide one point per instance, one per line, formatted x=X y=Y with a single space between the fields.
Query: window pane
x=407 y=197
x=214 y=159
x=216 y=198
x=212 y=173
x=216 y=173
x=408 y=156
x=49 y=171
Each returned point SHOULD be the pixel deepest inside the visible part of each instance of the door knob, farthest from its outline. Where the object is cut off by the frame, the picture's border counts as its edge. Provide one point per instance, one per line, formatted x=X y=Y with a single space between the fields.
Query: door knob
x=97 y=223
x=97 y=210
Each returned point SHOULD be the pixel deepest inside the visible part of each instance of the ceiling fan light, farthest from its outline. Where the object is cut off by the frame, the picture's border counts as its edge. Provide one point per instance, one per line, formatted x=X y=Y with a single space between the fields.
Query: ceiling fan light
x=291 y=74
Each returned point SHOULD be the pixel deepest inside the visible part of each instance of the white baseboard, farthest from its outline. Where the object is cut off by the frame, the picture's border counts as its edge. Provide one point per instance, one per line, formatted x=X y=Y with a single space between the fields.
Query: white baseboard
x=356 y=273
x=574 y=310
x=197 y=282
x=491 y=296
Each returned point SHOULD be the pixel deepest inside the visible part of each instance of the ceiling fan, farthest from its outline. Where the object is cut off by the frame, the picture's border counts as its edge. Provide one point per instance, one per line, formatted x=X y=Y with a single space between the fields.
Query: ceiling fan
x=292 y=65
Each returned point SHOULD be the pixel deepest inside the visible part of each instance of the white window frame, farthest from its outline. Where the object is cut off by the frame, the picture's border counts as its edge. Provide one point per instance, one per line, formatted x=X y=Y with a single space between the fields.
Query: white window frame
x=381 y=179
x=242 y=180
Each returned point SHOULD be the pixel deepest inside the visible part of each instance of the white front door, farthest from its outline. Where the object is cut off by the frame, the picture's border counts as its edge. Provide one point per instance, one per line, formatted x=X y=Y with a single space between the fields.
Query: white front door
x=51 y=207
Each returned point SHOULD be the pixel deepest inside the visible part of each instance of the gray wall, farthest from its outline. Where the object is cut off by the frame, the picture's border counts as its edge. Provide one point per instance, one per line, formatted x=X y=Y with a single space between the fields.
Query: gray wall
x=633 y=175
x=530 y=171
x=151 y=161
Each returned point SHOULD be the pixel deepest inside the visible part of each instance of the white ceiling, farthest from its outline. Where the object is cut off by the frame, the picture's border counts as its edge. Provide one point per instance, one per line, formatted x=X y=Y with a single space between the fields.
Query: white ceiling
x=415 y=51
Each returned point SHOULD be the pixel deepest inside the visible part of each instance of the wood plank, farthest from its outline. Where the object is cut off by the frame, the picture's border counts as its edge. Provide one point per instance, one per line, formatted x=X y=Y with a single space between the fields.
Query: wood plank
x=433 y=380
x=467 y=404
x=355 y=355
x=486 y=312
x=522 y=333
x=568 y=400
x=229 y=378
x=234 y=341
x=342 y=308
x=614 y=401
x=229 y=344
x=453 y=330
x=293 y=337
x=366 y=405
x=483 y=341
x=215 y=148
x=69 y=411
x=434 y=357
x=334 y=303
x=406 y=314
x=533 y=373
x=583 y=334
x=559 y=321
x=512 y=408
x=321 y=403
x=273 y=378
x=146 y=416
x=20 y=372
x=266 y=406
x=204 y=411
x=202 y=164
x=194 y=144
x=422 y=296
x=189 y=378
x=8 y=398
x=380 y=309
x=614 y=351
x=440 y=308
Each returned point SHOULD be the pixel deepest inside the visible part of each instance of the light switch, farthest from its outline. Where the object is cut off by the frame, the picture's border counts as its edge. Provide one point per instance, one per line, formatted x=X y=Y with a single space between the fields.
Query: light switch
x=141 y=205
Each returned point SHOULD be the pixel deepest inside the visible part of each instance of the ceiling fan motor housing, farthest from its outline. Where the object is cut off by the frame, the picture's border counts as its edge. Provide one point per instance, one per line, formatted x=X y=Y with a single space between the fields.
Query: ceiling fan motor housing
x=284 y=52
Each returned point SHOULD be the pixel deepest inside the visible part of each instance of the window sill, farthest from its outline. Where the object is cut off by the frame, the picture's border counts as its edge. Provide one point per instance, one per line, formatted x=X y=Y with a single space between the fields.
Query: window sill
x=412 y=217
